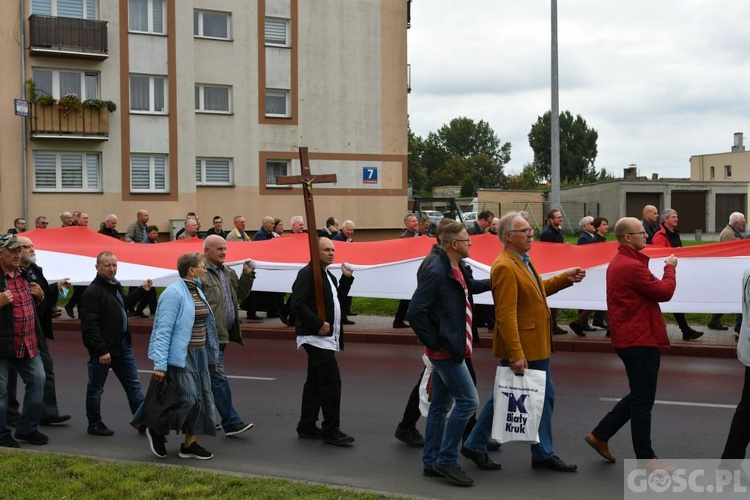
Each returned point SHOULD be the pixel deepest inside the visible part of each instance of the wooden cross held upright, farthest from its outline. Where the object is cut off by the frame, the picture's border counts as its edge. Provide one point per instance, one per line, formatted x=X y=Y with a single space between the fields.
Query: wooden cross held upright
x=307 y=180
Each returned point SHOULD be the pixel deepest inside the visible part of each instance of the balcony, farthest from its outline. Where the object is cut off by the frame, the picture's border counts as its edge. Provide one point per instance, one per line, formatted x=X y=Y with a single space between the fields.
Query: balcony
x=49 y=122
x=67 y=37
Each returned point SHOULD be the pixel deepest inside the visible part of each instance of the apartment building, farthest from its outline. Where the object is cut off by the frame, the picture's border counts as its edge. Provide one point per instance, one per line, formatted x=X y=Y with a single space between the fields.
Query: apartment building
x=197 y=105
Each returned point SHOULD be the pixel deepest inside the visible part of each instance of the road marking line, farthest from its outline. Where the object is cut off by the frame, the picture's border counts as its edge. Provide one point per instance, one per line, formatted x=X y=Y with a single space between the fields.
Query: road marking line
x=679 y=403
x=238 y=377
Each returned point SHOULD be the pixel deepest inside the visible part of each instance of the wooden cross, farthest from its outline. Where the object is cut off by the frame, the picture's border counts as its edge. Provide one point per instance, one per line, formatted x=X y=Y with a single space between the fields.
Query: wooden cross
x=307 y=180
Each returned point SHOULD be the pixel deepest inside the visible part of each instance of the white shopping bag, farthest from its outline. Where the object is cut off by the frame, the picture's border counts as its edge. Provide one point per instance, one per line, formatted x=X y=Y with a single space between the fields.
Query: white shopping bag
x=519 y=401
x=424 y=402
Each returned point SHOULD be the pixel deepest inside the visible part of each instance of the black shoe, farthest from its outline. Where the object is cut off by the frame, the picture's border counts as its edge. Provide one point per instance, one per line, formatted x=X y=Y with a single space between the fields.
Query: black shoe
x=239 y=430
x=69 y=310
x=400 y=325
x=556 y=330
x=600 y=324
x=9 y=442
x=100 y=430
x=425 y=472
x=314 y=433
x=481 y=460
x=412 y=437
x=454 y=473
x=57 y=419
x=691 y=334
x=338 y=438
x=157 y=442
x=493 y=445
x=195 y=451
x=142 y=429
x=553 y=463
x=141 y=314
x=350 y=313
x=347 y=322
x=578 y=329
x=717 y=326
x=34 y=437
x=587 y=328
x=607 y=334
x=284 y=318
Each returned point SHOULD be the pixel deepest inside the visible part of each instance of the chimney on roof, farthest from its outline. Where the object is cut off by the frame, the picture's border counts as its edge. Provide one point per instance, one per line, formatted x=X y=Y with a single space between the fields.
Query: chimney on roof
x=738 y=145
x=630 y=173
x=654 y=176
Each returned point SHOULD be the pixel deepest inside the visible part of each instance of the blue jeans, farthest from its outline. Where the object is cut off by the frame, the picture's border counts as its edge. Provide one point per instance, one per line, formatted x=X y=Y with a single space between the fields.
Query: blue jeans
x=480 y=436
x=124 y=367
x=32 y=374
x=230 y=420
x=451 y=382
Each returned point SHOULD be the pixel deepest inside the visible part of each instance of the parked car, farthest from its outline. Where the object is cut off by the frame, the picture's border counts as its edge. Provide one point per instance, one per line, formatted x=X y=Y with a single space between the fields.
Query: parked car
x=433 y=215
x=469 y=218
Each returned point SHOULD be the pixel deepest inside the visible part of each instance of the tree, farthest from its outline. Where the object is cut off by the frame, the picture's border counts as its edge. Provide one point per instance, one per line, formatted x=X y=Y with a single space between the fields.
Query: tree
x=577 y=147
x=468 y=190
x=463 y=148
x=529 y=178
x=417 y=174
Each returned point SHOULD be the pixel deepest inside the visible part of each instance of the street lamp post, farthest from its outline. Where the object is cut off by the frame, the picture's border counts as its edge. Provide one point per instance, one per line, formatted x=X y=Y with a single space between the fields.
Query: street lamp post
x=555 y=119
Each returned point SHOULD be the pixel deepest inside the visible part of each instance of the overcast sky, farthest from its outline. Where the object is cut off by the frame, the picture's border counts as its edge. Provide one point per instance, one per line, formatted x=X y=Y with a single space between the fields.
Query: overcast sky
x=660 y=80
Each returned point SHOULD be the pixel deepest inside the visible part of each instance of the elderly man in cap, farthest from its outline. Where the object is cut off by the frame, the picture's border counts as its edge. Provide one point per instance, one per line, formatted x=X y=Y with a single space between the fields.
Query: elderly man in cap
x=19 y=334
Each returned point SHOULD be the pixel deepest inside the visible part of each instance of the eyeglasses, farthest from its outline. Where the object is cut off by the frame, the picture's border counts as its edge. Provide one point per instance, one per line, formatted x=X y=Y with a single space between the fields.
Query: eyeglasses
x=44 y=223
x=528 y=231
x=642 y=233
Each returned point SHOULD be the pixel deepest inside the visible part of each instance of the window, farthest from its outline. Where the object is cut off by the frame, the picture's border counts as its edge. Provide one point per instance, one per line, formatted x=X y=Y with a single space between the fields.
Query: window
x=213 y=171
x=148 y=173
x=213 y=99
x=275 y=168
x=148 y=94
x=277 y=103
x=77 y=9
x=713 y=172
x=727 y=171
x=58 y=83
x=147 y=16
x=67 y=171
x=212 y=24
x=277 y=32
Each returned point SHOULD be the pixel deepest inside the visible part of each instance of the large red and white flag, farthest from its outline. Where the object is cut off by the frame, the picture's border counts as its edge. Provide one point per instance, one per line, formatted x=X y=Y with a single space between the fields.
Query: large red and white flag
x=709 y=277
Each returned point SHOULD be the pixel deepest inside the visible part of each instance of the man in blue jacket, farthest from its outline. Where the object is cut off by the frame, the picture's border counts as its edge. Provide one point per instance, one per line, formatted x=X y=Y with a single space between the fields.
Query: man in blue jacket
x=441 y=314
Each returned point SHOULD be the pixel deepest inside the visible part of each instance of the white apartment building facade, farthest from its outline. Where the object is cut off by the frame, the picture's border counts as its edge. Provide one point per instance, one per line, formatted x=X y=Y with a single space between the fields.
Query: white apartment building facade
x=213 y=99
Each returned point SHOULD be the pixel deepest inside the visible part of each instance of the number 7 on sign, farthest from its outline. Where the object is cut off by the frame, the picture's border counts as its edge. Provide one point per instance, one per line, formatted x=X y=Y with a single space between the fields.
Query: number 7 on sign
x=369 y=175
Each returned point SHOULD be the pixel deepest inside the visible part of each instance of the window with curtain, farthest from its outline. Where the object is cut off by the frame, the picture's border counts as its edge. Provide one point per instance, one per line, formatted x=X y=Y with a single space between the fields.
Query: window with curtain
x=78 y=9
x=148 y=94
x=147 y=16
x=277 y=31
x=213 y=171
x=67 y=172
x=213 y=99
x=208 y=24
x=148 y=173
x=275 y=168
x=277 y=102
x=58 y=83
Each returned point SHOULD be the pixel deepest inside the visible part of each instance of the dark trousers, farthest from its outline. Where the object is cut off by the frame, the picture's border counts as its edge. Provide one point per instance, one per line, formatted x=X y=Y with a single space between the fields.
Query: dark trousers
x=403 y=308
x=149 y=299
x=681 y=322
x=642 y=368
x=49 y=400
x=412 y=413
x=739 y=431
x=322 y=391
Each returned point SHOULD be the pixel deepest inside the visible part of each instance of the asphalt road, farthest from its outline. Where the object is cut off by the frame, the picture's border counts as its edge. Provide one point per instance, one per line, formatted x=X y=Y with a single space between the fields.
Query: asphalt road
x=376 y=382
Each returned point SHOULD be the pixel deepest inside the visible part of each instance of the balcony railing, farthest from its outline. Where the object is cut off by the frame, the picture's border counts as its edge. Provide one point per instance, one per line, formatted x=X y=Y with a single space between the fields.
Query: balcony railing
x=49 y=122
x=68 y=37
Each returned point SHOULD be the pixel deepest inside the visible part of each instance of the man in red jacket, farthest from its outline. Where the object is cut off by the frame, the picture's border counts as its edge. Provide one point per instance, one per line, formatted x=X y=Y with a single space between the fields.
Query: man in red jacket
x=638 y=332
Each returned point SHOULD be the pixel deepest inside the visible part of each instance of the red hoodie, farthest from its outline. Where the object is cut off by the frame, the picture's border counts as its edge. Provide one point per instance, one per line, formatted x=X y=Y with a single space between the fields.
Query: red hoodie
x=633 y=296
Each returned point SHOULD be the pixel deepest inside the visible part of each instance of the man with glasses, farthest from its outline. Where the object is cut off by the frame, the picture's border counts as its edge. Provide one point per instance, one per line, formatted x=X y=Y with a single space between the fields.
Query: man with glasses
x=440 y=313
x=638 y=332
x=522 y=338
x=217 y=228
x=553 y=234
x=33 y=273
x=484 y=219
x=19 y=334
x=41 y=222
x=19 y=226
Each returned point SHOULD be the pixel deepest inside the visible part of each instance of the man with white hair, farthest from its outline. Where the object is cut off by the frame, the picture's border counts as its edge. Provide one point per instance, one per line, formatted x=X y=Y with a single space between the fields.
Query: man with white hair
x=266 y=230
x=734 y=231
x=191 y=230
x=346 y=233
x=587 y=230
x=66 y=218
x=298 y=224
x=109 y=226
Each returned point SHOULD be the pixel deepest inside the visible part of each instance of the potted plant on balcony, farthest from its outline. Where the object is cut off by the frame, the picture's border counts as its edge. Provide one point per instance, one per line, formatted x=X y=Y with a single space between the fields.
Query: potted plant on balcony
x=96 y=115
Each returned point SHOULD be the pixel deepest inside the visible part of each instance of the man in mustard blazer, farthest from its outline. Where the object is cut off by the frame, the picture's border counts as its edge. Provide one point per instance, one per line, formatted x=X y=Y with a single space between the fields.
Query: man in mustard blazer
x=523 y=336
